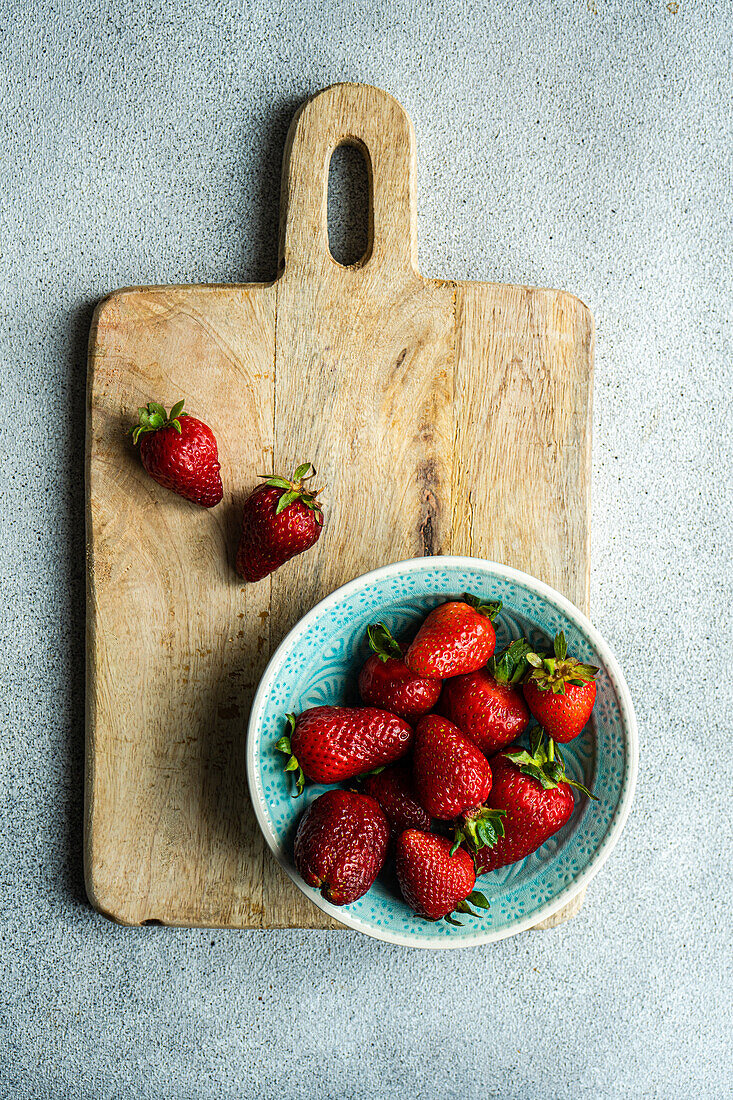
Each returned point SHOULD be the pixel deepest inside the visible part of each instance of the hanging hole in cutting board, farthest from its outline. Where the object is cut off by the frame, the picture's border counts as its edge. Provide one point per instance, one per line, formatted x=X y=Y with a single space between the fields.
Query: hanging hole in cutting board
x=349 y=208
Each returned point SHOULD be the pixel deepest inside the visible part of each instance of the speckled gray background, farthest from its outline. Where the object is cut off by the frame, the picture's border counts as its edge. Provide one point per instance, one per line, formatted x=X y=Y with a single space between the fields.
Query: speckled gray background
x=582 y=145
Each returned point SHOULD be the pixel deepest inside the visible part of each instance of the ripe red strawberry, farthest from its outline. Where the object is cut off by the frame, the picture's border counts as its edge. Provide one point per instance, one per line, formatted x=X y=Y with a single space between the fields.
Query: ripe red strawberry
x=560 y=692
x=394 y=792
x=433 y=881
x=386 y=681
x=487 y=705
x=180 y=453
x=328 y=744
x=281 y=518
x=537 y=799
x=341 y=844
x=449 y=772
x=456 y=637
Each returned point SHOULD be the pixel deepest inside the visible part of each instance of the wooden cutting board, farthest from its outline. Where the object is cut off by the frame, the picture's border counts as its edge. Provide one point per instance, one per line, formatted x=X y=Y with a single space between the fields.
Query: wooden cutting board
x=444 y=418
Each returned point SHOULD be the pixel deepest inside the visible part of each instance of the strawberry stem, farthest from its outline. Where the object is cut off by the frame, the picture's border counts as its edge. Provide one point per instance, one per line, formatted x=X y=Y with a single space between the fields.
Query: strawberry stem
x=291 y=764
x=490 y=609
x=382 y=643
x=544 y=762
x=511 y=664
x=474 y=898
x=154 y=417
x=552 y=672
x=479 y=829
x=294 y=489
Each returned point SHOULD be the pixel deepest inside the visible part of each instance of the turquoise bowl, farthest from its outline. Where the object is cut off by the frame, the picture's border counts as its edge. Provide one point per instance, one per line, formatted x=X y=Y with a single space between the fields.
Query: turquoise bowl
x=318 y=662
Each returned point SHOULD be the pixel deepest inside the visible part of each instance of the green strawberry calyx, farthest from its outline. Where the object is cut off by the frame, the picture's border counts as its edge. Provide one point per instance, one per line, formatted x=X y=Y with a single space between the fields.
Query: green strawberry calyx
x=291 y=764
x=489 y=608
x=552 y=673
x=372 y=771
x=544 y=762
x=480 y=828
x=474 y=898
x=382 y=643
x=511 y=665
x=295 y=489
x=154 y=417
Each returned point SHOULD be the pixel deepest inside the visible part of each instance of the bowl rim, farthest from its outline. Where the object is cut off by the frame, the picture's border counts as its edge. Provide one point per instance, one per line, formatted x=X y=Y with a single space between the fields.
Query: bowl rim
x=628 y=723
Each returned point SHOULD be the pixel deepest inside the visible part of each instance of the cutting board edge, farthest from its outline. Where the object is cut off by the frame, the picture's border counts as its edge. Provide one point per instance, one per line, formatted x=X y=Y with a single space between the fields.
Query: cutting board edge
x=122 y=292
x=91 y=864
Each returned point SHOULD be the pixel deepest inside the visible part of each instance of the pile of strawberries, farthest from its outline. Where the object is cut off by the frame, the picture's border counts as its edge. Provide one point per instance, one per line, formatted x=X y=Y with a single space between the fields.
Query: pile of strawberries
x=434 y=774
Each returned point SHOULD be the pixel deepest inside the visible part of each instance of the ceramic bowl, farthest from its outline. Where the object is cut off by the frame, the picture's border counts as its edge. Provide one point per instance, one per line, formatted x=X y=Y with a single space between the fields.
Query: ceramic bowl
x=318 y=662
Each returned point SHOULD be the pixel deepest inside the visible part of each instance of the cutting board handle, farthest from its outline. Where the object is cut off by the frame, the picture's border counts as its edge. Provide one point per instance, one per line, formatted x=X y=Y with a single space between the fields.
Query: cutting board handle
x=371 y=119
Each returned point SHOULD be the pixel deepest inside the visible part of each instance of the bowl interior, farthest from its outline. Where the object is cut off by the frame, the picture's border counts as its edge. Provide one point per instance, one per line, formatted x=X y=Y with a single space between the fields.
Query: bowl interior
x=318 y=663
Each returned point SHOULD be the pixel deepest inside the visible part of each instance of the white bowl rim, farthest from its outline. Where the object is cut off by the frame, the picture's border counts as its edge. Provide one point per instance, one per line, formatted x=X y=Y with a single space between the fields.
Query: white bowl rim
x=596 y=861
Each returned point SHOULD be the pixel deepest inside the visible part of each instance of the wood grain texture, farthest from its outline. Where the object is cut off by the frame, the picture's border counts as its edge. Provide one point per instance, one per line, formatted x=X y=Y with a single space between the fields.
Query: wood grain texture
x=176 y=643
x=444 y=417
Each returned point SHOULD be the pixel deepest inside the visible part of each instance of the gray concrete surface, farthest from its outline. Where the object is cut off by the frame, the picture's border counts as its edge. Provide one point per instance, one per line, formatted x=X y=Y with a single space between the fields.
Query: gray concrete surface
x=582 y=145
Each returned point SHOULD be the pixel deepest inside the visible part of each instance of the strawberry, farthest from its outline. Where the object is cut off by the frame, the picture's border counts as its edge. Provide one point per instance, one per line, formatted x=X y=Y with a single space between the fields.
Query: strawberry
x=560 y=692
x=328 y=744
x=180 y=453
x=394 y=792
x=386 y=681
x=449 y=772
x=487 y=705
x=537 y=799
x=433 y=881
x=456 y=637
x=281 y=518
x=341 y=844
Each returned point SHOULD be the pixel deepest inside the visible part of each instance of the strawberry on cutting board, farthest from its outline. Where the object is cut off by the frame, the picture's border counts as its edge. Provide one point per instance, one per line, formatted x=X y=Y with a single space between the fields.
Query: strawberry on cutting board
x=560 y=692
x=488 y=705
x=449 y=772
x=386 y=681
x=328 y=744
x=536 y=797
x=341 y=844
x=281 y=518
x=433 y=881
x=179 y=452
x=456 y=637
x=395 y=793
